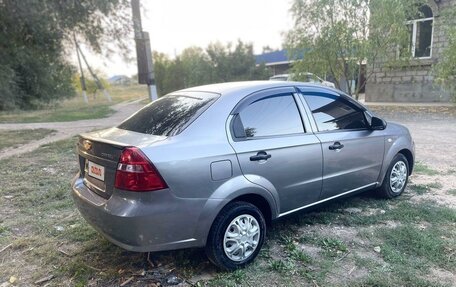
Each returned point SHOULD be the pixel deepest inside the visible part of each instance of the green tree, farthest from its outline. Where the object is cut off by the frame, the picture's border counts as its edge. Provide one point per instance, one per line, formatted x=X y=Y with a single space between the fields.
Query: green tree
x=91 y=85
x=35 y=36
x=337 y=36
x=160 y=61
x=196 y=65
x=234 y=64
x=217 y=63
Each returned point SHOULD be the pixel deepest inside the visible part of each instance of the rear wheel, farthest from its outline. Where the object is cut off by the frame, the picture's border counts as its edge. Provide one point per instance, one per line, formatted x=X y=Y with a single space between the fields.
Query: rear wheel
x=396 y=177
x=236 y=236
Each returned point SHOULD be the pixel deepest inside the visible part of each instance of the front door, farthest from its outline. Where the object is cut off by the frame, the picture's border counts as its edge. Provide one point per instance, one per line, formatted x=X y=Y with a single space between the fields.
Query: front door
x=274 y=150
x=352 y=153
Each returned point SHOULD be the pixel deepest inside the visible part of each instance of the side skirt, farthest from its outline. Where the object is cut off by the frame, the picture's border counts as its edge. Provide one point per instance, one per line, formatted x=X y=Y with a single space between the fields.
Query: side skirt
x=329 y=198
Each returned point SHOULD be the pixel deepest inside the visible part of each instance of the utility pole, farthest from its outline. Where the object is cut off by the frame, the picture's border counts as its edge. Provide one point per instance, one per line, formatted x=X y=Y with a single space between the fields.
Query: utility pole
x=97 y=80
x=143 y=52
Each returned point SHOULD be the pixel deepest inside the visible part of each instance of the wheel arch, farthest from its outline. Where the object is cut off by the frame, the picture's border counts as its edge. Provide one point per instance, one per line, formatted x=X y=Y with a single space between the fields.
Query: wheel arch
x=409 y=156
x=237 y=189
x=405 y=152
x=260 y=202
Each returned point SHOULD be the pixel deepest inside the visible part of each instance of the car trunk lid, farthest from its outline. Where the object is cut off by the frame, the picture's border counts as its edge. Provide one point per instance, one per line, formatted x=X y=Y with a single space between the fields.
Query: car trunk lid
x=99 y=153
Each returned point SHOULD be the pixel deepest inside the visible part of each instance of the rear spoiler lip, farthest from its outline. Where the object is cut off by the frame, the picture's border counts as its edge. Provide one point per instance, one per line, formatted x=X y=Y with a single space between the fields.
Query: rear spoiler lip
x=102 y=140
x=93 y=136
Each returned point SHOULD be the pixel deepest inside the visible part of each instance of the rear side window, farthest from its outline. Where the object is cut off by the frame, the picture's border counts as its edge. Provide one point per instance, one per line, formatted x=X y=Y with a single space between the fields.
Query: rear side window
x=334 y=112
x=269 y=116
x=169 y=115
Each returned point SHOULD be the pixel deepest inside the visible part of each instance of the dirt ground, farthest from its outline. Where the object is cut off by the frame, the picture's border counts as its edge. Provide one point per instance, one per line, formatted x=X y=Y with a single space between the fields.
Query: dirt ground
x=359 y=241
x=434 y=132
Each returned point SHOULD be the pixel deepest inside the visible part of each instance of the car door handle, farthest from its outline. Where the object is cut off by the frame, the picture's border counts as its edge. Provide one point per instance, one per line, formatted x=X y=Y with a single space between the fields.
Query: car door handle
x=336 y=146
x=261 y=155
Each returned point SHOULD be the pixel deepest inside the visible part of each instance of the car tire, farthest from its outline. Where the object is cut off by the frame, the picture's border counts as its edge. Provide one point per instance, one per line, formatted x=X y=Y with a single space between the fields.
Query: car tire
x=247 y=226
x=396 y=177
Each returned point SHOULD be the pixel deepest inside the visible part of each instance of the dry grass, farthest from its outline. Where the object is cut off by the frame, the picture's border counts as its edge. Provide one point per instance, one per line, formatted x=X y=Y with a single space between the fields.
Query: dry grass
x=12 y=139
x=75 y=108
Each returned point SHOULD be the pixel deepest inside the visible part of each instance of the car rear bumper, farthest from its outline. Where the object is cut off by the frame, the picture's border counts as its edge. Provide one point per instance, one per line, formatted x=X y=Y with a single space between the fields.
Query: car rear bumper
x=142 y=221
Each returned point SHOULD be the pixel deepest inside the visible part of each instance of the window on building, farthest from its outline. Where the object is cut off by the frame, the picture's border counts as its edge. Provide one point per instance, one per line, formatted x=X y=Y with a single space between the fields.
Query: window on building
x=420 y=29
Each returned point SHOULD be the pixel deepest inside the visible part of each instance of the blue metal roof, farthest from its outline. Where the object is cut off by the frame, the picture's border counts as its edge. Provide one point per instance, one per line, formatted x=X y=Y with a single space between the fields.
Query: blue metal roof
x=274 y=57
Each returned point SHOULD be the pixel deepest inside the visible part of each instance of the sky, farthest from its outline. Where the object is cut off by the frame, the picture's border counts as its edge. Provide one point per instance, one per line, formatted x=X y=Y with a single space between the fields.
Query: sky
x=174 y=25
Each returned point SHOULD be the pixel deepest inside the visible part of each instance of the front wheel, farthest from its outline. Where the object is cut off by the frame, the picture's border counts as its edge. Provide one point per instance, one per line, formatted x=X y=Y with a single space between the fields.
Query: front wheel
x=236 y=236
x=396 y=177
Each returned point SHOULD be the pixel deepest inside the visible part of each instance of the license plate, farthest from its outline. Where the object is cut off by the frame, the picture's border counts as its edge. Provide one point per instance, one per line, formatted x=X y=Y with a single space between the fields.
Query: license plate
x=97 y=171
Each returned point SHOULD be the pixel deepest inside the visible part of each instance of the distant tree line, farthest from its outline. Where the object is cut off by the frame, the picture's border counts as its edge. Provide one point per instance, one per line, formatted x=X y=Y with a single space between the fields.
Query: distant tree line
x=214 y=64
x=35 y=37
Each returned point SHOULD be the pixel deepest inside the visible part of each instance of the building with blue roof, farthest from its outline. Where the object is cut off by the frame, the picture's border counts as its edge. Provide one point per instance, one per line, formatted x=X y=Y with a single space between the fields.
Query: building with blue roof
x=277 y=61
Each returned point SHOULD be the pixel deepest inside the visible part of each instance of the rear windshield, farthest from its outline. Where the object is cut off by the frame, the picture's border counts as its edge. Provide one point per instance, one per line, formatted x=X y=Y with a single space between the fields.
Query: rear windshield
x=169 y=115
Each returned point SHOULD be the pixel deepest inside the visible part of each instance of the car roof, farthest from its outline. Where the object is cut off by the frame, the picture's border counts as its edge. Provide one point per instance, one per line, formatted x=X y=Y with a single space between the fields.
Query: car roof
x=247 y=87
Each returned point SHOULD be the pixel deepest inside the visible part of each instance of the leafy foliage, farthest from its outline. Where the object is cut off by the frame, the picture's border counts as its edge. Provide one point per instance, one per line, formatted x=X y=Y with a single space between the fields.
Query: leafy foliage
x=91 y=84
x=337 y=36
x=217 y=63
x=34 y=36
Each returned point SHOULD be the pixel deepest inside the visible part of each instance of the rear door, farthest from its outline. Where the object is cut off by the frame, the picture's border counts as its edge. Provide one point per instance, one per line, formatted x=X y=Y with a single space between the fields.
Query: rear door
x=352 y=153
x=275 y=149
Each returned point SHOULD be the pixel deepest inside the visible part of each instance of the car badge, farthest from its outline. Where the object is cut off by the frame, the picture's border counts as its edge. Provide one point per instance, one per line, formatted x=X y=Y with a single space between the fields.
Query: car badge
x=87 y=145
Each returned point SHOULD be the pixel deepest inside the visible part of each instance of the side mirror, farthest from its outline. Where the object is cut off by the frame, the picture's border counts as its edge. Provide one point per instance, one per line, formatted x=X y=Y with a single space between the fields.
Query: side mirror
x=377 y=124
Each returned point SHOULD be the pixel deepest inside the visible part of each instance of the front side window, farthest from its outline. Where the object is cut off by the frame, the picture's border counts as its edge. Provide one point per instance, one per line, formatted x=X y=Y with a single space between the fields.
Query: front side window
x=269 y=116
x=333 y=112
x=420 y=31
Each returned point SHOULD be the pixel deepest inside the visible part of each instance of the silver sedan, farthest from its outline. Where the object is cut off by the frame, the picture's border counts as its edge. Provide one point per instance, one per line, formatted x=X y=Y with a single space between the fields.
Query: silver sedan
x=214 y=165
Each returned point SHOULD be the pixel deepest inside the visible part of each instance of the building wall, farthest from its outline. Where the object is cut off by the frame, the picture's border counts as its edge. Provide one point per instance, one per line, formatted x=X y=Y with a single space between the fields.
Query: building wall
x=413 y=82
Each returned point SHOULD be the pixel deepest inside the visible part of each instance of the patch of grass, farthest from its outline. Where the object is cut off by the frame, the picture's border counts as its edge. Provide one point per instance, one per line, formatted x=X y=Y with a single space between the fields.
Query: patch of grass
x=80 y=272
x=3 y=229
x=229 y=279
x=58 y=114
x=399 y=210
x=417 y=248
x=380 y=278
x=422 y=168
x=452 y=191
x=14 y=138
x=293 y=251
x=308 y=274
x=80 y=232
x=424 y=188
x=282 y=266
x=332 y=243
x=420 y=188
x=435 y=185
x=331 y=247
x=300 y=256
x=451 y=171
x=75 y=109
x=428 y=211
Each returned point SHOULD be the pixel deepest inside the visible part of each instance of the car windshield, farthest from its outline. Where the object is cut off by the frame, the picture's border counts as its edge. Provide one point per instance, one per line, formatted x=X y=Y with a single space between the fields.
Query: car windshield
x=169 y=115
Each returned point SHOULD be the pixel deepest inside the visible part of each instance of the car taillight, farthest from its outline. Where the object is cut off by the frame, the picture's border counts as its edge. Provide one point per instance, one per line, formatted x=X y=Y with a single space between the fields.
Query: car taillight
x=136 y=173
